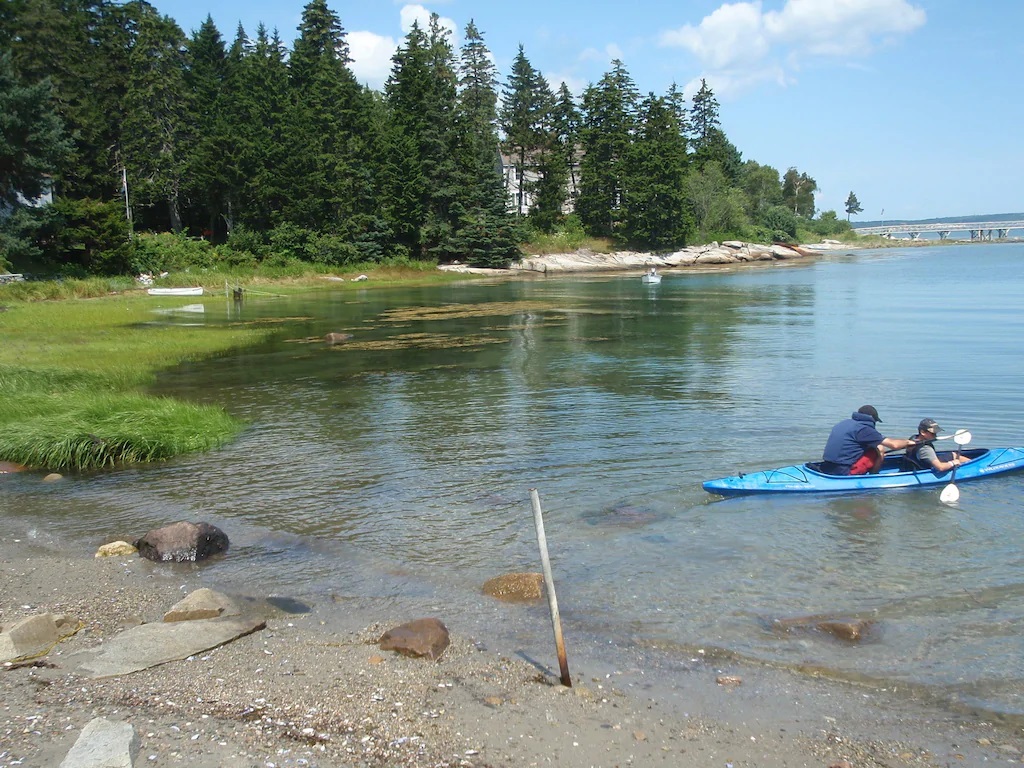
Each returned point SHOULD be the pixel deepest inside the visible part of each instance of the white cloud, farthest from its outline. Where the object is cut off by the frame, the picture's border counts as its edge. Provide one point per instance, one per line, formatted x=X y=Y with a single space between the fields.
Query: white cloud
x=371 y=53
x=740 y=44
x=417 y=13
x=371 y=57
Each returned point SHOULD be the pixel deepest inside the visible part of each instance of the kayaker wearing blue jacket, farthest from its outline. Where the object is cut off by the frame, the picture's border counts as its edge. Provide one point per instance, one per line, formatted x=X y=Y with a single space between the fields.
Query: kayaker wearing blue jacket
x=855 y=447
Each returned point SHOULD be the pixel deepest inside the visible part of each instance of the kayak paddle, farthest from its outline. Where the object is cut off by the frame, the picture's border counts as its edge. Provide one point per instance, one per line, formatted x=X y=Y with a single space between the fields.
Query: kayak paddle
x=951 y=493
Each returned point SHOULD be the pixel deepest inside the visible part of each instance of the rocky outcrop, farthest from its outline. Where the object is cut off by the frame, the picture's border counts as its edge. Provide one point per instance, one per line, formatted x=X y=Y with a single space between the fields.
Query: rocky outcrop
x=182 y=542
x=585 y=260
x=420 y=638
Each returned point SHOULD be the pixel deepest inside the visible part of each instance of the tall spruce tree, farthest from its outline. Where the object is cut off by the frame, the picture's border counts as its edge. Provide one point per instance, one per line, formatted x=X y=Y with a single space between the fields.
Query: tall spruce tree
x=525 y=113
x=609 y=120
x=654 y=201
x=258 y=108
x=156 y=124
x=207 y=79
x=704 y=117
x=81 y=46
x=33 y=147
x=485 y=234
x=422 y=93
x=566 y=122
x=407 y=93
x=330 y=111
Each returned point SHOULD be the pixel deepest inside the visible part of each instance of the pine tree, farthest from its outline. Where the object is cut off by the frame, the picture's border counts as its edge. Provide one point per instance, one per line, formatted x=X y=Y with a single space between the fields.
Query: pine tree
x=486 y=233
x=566 y=123
x=155 y=128
x=852 y=205
x=427 y=186
x=329 y=114
x=258 y=104
x=33 y=146
x=609 y=119
x=207 y=157
x=654 y=205
x=525 y=111
x=704 y=115
x=81 y=46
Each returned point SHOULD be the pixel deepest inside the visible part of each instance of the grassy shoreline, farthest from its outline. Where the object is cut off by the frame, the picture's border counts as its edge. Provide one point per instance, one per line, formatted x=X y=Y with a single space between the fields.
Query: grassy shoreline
x=73 y=371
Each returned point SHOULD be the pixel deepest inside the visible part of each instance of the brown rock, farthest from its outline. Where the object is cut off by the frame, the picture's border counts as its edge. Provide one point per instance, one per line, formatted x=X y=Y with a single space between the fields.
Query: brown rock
x=182 y=542
x=422 y=637
x=729 y=680
x=852 y=631
x=336 y=338
x=8 y=467
x=515 y=587
x=53 y=477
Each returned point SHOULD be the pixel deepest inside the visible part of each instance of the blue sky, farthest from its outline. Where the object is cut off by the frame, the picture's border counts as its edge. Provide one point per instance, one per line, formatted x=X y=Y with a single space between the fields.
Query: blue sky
x=914 y=105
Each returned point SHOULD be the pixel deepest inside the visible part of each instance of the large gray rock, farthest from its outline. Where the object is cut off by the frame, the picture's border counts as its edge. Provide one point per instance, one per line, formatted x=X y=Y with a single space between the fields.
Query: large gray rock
x=182 y=542
x=150 y=645
x=104 y=744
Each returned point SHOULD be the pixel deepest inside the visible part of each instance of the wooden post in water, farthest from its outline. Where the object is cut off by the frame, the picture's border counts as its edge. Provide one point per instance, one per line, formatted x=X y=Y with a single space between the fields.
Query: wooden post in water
x=549 y=582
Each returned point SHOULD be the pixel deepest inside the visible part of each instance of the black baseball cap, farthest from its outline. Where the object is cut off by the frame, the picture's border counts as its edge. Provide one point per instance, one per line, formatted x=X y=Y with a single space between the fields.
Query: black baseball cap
x=869 y=410
x=929 y=425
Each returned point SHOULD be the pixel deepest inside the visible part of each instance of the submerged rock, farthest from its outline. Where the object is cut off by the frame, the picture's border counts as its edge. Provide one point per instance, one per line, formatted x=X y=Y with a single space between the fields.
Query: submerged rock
x=515 y=587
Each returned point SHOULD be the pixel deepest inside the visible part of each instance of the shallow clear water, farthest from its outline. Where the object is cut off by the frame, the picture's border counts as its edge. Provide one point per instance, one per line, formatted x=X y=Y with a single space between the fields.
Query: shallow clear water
x=393 y=472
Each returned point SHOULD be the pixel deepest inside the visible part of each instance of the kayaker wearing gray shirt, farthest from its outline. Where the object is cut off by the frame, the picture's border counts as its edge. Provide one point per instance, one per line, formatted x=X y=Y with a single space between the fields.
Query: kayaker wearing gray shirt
x=922 y=455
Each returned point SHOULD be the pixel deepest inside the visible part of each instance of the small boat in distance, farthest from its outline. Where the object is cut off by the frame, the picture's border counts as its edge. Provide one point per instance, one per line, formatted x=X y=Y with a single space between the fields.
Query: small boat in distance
x=197 y=291
x=651 y=277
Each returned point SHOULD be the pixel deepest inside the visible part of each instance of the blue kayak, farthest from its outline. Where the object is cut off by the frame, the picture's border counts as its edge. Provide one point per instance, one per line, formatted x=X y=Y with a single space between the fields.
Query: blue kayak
x=807 y=478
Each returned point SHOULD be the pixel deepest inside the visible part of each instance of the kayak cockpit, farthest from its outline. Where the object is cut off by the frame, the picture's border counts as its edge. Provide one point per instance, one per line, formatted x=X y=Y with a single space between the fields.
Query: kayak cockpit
x=896 y=464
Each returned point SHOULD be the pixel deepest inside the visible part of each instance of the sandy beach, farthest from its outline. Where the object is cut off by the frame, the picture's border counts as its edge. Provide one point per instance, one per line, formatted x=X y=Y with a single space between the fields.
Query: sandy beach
x=298 y=694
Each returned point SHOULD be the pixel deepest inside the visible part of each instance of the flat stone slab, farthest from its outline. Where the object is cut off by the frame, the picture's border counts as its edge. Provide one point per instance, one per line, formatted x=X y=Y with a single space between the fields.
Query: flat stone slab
x=149 y=645
x=104 y=744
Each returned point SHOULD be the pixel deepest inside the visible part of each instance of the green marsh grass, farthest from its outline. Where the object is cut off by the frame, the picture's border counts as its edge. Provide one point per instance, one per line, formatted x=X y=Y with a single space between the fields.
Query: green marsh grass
x=72 y=375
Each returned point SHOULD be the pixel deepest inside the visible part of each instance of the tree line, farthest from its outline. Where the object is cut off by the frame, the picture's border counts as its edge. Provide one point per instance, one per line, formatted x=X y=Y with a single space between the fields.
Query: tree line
x=271 y=152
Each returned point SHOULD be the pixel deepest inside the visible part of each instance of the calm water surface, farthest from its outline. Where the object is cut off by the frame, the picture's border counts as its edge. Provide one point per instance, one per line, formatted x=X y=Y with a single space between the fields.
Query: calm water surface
x=393 y=473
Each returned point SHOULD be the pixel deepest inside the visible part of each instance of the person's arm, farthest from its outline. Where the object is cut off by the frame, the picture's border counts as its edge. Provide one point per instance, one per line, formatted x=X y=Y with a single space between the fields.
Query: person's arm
x=894 y=444
x=927 y=454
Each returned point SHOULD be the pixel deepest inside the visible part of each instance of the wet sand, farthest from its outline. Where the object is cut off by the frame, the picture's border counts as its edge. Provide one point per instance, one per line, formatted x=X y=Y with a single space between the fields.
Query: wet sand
x=300 y=694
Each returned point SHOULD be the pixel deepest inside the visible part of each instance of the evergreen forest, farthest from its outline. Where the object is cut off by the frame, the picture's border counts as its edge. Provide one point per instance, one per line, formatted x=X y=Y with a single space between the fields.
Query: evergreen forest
x=127 y=145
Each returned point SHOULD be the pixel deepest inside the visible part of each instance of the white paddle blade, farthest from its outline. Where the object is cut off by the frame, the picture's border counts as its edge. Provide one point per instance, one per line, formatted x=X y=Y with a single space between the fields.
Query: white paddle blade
x=949 y=494
x=961 y=437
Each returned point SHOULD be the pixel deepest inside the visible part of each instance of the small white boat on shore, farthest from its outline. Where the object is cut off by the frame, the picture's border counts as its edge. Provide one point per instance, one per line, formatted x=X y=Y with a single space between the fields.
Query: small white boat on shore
x=198 y=291
x=651 y=277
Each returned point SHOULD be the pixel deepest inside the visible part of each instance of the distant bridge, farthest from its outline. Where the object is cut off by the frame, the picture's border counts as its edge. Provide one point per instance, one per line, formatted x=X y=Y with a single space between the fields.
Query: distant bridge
x=980 y=230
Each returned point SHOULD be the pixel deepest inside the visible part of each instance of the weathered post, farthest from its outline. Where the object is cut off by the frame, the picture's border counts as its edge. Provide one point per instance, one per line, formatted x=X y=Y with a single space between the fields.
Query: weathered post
x=549 y=582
